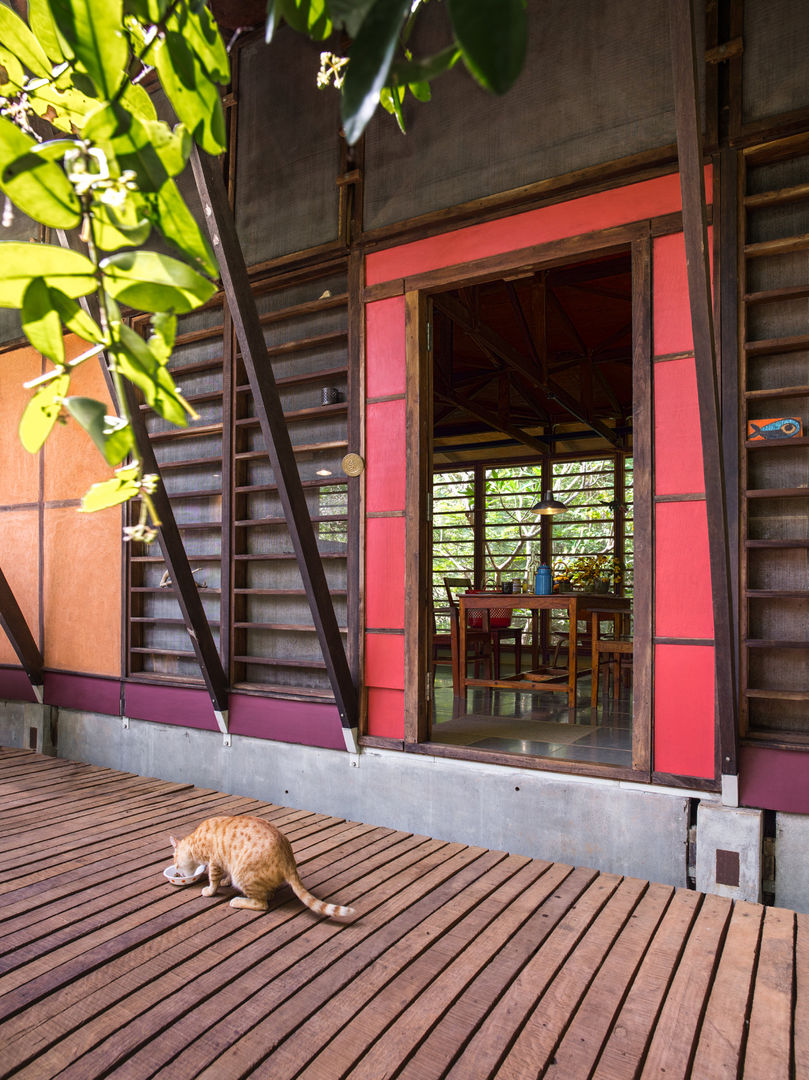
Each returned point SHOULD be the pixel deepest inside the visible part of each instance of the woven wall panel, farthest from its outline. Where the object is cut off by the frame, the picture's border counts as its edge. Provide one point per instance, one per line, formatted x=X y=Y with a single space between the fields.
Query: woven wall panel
x=597 y=86
x=288 y=154
x=776 y=42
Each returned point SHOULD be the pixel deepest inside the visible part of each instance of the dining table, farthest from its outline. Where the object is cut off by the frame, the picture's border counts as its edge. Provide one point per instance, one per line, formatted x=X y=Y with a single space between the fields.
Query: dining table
x=578 y=605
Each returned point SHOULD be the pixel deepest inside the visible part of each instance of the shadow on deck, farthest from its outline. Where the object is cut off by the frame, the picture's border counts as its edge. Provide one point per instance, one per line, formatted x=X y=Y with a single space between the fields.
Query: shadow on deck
x=464 y=962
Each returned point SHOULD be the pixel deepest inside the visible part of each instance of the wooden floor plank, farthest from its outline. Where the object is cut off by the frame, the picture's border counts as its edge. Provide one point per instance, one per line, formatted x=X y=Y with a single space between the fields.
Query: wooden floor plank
x=581 y=1045
x=631 y=1033
x=462 y=962
x=769 y=1050
x=801 y=1021
x=724 y=1027
x=671 y=1048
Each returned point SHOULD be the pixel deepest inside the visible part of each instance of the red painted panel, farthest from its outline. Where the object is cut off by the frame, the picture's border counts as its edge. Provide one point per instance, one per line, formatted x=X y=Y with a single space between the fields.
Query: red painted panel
x=385 y=347
x=774 y=779
x=385 y=456
x=678 y=442
x=670 y=303
x=384 y=660
x=683 y=600
x=603 y=210
x=386 y=713
x=384 y=573
x=684 y=710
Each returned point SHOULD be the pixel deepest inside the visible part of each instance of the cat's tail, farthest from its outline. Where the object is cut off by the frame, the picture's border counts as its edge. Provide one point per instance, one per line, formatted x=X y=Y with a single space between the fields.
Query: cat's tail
x=320 y=907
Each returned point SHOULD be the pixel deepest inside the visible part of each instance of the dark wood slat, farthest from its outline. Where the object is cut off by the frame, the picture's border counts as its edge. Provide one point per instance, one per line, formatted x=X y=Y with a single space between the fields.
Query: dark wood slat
x=784 y=246
x=22 y=641
x=767 y=296
x=778 y=493
x=774 y=346
x=695 y=229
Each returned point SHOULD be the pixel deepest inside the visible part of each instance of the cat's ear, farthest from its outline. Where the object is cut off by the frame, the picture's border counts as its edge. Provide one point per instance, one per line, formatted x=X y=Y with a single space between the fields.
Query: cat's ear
x=173 y=842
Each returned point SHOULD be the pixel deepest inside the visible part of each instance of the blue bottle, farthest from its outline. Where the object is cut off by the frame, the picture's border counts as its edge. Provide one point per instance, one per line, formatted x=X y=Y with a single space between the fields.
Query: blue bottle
x=543 y=581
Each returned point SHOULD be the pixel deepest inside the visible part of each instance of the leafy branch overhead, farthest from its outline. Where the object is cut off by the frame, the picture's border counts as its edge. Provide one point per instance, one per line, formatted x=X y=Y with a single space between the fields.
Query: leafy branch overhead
x=82 y=151
x=489 y=36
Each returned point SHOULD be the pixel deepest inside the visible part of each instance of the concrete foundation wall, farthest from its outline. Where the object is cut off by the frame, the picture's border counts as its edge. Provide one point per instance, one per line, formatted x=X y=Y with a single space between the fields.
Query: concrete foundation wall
x=612 y=826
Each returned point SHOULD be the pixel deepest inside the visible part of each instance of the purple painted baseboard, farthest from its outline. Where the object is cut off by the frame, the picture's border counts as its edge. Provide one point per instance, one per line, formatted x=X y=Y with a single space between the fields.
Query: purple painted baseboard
x=304 y=722
x=169 y=705
x=83 y=692
x=15 y=686
x=774 y=779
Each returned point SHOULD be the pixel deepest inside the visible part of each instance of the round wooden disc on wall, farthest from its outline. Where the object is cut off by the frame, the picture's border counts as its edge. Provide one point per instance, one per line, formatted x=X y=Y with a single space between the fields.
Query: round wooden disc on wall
x=352 y=464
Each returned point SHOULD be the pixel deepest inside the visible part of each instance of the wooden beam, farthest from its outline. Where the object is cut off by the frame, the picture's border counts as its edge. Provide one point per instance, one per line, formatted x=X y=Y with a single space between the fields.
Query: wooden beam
x=171 y=544
x=695 y=228
x=492 y=420
x=22 y=641
x=270 y=413
x=514 y=359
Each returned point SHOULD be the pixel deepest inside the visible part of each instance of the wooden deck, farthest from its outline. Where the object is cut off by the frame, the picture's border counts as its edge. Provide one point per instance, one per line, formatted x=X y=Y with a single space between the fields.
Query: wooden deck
x=464 y=963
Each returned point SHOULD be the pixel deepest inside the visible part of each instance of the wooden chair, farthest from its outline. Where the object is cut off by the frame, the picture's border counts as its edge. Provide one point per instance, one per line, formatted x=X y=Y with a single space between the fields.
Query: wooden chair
x=614 y=651
x=494 y=635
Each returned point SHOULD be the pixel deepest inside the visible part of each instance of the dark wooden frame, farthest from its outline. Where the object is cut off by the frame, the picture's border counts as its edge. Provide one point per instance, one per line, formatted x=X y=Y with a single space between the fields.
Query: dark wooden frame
x=22 y=640
x=417 y=290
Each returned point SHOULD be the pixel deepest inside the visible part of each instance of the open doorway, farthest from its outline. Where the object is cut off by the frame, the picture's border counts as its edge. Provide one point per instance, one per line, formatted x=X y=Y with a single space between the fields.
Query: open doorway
x=534 y=395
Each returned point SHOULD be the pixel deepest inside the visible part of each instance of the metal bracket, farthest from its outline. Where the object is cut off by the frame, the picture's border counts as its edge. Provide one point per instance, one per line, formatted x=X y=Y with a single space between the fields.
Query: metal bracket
x=730 y=789
x=125 y=723
x=222 y=722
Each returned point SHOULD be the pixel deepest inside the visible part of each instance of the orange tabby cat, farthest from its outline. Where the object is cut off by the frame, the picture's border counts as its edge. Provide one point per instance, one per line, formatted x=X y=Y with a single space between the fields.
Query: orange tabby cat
x=255 y=856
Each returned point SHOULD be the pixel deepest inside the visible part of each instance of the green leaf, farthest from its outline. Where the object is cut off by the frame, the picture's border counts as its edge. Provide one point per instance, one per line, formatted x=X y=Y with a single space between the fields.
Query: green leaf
x=41 y=412
x=349 y=14
x=12 y=76
x=420 y=90
x=17 y=37
x=76 y=319
x=120 y=489
x=413 y=71
x=136 y=361
x=45 y=30
x=307 y=17
x=41 y=323
x=150 y=12
x=492 y=35
x=148 y=148
x=194 y=97
x=92 y=29
x=161 y=341
x=176 y=222
x=371 y=56
x=69 y=271
x=35 y=184
x=138 y=101
x=150 y=281
x=203 y=38
x=112 y=435
x=61 y=103
x=126 y=225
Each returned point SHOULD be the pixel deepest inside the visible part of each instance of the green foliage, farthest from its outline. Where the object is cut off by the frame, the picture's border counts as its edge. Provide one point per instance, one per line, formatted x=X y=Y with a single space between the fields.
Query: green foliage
x=106 y=167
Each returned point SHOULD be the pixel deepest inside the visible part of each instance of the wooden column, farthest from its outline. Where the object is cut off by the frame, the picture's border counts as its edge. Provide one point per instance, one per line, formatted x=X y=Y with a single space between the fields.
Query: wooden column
x=13 y=622
x=242 y=305
x=692 y=180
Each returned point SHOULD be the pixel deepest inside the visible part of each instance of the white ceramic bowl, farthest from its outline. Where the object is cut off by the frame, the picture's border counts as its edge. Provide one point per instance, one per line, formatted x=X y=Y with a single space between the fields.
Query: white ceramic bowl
x=176 y=878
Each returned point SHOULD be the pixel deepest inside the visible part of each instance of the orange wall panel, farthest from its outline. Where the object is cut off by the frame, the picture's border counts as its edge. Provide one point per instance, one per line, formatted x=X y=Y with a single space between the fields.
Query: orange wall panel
x=72 y=462
x=20 y=477
x=81 y=590
x=19 y=543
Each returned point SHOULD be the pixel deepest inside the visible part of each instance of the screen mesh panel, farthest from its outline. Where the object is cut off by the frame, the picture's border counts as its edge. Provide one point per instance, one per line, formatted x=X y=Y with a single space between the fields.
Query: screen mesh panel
x=288 y=156
x=596 y=86
x=776 y=41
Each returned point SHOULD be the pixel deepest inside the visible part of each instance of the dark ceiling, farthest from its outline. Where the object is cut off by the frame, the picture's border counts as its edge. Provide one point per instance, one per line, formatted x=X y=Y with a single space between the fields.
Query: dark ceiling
x=536 y=358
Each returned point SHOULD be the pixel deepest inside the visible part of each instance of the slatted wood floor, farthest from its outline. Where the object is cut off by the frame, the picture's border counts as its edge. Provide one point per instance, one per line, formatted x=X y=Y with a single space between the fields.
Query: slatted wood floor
x=465 y=963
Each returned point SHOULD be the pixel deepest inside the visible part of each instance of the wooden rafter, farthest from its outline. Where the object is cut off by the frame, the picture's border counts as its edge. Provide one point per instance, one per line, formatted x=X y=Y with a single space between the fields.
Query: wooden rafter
x=550 y=389
x=492 y=419
x=22 y=641
x=241 y=302
x=695 y=228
